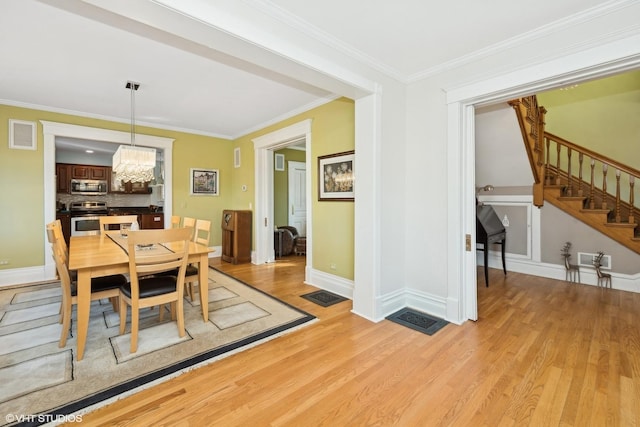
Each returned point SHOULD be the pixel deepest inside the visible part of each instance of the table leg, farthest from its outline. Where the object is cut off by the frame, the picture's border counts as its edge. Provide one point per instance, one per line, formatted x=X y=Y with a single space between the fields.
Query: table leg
x=203 y=281
x=83 y=307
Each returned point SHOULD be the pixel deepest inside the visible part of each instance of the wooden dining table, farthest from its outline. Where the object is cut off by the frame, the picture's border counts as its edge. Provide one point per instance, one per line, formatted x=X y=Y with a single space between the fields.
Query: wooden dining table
x=97 y=256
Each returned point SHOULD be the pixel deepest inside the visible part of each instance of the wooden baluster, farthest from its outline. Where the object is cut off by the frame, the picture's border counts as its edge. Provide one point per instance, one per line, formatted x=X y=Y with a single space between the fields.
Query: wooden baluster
x=558 y=165
x=618 y=195
x=547 y=177
x=604 y=185
x=632 y=217
x=569 y=177
x=592 y=202
x=580 y=158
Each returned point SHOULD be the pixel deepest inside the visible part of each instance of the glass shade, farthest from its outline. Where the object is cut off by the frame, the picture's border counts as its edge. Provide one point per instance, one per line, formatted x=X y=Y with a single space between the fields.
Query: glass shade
x=133 y=163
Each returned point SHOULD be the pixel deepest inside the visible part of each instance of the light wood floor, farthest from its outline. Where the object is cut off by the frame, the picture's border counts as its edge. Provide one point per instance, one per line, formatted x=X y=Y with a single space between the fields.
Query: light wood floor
x=543 y=352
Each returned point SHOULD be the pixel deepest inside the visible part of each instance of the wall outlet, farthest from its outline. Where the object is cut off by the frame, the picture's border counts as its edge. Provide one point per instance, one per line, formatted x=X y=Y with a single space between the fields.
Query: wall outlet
x=332 y=266
x=4 y=262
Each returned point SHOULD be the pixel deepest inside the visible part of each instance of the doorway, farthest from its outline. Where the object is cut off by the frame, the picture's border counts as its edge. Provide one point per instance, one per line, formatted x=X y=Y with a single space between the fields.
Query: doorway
x=264 y=207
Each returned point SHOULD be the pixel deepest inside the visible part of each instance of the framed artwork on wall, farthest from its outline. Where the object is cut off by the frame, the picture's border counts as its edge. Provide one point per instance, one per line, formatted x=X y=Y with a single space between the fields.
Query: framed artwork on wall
x=204 y=182
x=336 y=179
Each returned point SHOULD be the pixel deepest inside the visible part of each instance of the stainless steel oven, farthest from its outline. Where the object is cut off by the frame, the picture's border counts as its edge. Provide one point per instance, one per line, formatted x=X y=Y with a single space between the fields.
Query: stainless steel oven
x=85 y=217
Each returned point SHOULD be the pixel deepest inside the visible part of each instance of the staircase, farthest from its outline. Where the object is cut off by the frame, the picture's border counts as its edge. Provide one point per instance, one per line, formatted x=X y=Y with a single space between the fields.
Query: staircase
x=592 y=188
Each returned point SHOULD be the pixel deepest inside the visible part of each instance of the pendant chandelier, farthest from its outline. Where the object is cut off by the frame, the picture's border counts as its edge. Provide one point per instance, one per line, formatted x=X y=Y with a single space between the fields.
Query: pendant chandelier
x=132 y=163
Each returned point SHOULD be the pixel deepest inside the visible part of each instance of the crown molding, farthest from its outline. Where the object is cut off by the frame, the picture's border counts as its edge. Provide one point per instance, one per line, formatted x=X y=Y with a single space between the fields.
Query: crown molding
x=295 y=22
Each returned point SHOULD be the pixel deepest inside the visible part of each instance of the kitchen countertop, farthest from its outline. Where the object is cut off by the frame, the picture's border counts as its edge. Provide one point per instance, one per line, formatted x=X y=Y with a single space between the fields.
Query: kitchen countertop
x=122 y=210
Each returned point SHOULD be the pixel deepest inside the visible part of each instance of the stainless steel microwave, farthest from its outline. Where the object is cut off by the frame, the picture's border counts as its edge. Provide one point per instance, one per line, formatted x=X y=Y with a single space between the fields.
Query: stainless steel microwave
x=89 y=186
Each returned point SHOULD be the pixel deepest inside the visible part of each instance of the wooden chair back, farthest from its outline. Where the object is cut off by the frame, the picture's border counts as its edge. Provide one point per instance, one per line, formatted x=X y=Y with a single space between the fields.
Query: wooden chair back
x=175 y=221
x=202 y=232
x=107 y=221
x=144 y=262
x=189 y=222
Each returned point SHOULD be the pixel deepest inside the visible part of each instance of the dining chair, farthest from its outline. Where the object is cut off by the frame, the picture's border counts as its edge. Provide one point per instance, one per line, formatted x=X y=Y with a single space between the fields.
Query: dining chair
x=148 y=255
x=175 y=221
x=189 y=222
x=101 y=287
x=200 y=236
x=108 y=220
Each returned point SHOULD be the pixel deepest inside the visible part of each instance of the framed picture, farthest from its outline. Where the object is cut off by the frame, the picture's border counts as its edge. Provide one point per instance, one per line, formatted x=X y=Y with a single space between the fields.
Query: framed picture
x=204 y=182
x=336 y=177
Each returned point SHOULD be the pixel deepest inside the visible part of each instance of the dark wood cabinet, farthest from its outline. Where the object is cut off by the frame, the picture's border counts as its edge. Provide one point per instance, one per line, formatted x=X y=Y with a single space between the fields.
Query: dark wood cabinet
x=152 y=220
x=63 y=178
x=65 y=172
x=65 y=220
x=129 y=187
x=236 y=236
x=90 y=172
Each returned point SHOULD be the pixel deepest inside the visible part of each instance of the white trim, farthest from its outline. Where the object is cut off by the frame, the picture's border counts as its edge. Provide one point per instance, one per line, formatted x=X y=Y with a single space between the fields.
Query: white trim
x=330 y=282
x=51 y=130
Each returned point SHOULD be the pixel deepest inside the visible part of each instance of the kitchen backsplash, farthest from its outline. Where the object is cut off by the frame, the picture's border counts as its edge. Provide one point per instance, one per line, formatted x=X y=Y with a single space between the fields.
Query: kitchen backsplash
x=113 y=200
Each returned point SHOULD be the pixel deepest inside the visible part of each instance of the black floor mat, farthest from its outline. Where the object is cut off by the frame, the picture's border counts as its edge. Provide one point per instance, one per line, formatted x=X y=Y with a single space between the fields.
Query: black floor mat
x=323 y=298
x=418 y=321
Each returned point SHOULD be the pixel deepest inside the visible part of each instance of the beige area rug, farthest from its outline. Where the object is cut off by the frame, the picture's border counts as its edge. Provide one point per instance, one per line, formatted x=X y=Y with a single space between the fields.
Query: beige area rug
x=38 y=377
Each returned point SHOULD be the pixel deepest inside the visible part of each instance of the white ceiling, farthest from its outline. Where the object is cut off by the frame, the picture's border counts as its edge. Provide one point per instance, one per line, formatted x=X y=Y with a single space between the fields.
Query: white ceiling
x=61 y=56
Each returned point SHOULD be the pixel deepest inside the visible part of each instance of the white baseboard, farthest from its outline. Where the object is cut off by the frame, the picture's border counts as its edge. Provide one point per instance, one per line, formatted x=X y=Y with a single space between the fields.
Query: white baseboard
x=329 y=282
x=18 y=276
x=623 y=282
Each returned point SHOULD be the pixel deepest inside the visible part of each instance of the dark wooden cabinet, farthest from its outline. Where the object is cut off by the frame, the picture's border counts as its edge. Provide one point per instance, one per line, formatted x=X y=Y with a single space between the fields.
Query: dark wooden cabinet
x=63 y=178
x=152 y=220
x=65 y=172
x=236 y=236
x=128 y=187
x=90 y=172
x=65 y=220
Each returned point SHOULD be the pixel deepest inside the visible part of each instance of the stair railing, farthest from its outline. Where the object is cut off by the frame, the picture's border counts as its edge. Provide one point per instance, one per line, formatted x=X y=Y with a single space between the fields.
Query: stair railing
x=598 y=196
x=531 y=120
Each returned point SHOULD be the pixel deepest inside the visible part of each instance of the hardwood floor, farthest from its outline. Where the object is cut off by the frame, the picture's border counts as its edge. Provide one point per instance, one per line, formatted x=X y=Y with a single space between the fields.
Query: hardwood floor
x=543 y=352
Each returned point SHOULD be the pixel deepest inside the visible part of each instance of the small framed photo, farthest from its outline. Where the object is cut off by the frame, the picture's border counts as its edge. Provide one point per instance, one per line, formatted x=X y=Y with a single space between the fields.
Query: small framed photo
x=204 y=182
x=336 y=179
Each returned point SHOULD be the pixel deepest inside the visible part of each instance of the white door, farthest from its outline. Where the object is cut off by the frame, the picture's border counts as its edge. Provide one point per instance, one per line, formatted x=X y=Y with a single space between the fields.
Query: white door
x=298 y=196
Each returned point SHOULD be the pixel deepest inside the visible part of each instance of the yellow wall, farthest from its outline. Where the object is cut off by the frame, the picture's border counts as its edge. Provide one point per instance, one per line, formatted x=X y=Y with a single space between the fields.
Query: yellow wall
x=332 y=131
x=21 y=177
x=601 y=115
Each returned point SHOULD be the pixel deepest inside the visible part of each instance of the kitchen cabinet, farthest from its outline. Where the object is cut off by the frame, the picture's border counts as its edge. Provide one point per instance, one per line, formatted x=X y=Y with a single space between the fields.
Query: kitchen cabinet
x=90 y=172
x=152 y=220
x=129 y=187
x=65 y=220
x=63 y=178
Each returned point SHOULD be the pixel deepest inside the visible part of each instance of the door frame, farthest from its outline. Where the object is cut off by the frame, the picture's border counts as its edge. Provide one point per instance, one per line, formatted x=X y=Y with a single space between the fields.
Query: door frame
x=264 y=147
x=602 y=61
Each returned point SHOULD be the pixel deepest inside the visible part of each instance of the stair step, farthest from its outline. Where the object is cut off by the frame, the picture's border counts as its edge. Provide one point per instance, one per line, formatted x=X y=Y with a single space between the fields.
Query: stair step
x=621 y=225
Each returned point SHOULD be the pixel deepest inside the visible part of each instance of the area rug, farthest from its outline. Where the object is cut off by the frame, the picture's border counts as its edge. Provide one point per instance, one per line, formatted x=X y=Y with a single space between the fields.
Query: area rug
x=418 y=321
x=41 y=382
x=323 y=298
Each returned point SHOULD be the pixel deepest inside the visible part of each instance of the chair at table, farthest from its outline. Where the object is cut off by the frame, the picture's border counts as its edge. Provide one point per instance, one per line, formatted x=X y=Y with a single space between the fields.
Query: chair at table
x=189 y=222
x=200 y=236
x=175 y=221
x=101 y=287
x=148 y=289
x=107 y=221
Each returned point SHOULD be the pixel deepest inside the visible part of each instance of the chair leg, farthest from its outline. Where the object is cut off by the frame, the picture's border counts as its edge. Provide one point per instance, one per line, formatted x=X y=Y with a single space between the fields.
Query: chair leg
x=66 y=323
x=123 y=315
x=135 y=314
x=180 y=309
